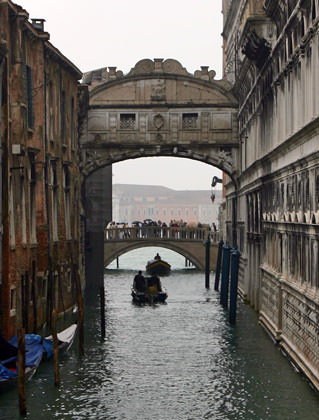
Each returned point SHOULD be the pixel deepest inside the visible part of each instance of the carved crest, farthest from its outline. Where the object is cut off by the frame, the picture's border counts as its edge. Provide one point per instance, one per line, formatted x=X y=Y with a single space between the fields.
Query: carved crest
x=159 y=91
x=158 y=121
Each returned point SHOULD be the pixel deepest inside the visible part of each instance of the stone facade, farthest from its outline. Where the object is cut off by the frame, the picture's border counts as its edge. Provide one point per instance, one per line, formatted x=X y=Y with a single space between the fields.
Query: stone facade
x=41 y=252
x=159 y=109
x=271 y=58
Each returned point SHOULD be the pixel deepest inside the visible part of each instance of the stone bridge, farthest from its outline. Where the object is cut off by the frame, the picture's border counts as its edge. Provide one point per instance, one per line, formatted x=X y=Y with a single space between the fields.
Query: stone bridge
x=189 y=242
x=159 y=109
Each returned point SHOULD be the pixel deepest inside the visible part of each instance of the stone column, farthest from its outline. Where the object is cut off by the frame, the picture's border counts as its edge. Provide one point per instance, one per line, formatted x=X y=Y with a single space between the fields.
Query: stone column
x=98 y=211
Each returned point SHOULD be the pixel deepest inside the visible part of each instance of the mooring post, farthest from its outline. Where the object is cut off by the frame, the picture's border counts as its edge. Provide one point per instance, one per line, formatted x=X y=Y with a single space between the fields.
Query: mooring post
x=207 y=267
x=218 y=264
x=55 y=349
x=233 y=285
x=21 y=372
x=117 y=263
x=102 y=304
x=81 y=324
x=225 y=275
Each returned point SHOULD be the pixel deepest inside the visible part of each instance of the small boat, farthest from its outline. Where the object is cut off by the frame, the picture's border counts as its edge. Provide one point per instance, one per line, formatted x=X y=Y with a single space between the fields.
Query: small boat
x=37 y=348
x=65 y=341
x=9 y=360
x=149 y=296
x=158 y=267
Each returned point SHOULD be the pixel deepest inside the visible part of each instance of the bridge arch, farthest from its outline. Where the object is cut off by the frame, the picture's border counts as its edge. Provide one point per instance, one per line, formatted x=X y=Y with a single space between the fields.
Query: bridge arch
x=124 y=249
x=159 y=109
x=188 y=242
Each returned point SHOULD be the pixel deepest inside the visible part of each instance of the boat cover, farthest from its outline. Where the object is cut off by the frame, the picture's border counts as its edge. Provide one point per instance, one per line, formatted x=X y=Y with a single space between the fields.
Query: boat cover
x=34 y=348
x=7 y=350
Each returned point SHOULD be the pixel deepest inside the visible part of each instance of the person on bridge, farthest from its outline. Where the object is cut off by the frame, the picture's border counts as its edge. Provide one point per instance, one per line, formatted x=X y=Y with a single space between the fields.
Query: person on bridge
x=139 y=282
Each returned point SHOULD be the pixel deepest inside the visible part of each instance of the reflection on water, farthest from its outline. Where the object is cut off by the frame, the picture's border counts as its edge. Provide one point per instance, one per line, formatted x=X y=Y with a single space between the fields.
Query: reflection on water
x=180 y=360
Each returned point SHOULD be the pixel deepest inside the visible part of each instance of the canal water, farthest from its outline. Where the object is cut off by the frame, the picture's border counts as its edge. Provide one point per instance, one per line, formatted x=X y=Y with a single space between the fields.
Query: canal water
x=177 y=361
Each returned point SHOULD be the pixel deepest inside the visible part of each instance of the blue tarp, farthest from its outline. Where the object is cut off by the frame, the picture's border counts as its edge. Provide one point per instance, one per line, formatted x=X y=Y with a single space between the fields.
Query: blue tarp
x=33 y=346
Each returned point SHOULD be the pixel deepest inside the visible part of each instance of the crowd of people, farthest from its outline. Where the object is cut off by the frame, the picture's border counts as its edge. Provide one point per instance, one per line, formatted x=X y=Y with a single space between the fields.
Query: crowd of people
x=172 y=224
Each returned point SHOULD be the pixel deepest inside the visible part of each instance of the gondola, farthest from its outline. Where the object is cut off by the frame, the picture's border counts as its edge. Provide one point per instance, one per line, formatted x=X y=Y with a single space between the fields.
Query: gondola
x=37 y=349
x=9 y=360
x=65 y=341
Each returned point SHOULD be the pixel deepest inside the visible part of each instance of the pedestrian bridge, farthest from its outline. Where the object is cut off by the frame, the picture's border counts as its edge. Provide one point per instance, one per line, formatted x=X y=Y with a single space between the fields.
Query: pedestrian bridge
x=189 y=242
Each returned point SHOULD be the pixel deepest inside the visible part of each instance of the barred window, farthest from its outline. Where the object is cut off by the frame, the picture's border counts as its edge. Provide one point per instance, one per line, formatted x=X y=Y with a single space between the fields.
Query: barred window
x=127 y=121
x=190 y=121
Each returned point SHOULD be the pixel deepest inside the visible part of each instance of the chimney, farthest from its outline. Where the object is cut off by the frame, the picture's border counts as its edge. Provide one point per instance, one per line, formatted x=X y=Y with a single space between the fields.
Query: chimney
x=38 y=24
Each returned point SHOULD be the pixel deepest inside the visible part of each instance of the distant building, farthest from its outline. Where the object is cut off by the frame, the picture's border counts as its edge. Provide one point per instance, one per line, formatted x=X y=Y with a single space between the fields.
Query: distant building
x=40 y=187
x=140 y=202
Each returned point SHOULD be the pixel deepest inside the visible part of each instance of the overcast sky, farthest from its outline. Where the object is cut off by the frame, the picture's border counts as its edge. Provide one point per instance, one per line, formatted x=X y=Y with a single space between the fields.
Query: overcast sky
x=103 y=33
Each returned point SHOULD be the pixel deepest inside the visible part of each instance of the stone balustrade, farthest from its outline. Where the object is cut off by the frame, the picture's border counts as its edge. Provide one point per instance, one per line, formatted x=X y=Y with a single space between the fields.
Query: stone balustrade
x=159 y=233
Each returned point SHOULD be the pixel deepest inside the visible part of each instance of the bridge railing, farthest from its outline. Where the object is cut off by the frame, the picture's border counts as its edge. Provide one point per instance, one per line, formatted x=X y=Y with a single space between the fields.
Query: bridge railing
x=159 y=233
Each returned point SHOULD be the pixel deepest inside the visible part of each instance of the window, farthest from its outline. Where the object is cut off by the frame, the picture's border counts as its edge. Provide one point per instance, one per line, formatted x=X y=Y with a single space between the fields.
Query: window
x=164 y=212
x=67 y=191
x=23 y=211
x=194 y=212
x=172 y=212
x=62 y=111
x=28 y=94
x=189 y=121
x=72 y=125
x=54 y=183
x=32 y=190
x=50 y=117
x=186 y=212
x=11 y=217
x=69 y=280
x=13 y=300
x=127 y=121
x=179 y=212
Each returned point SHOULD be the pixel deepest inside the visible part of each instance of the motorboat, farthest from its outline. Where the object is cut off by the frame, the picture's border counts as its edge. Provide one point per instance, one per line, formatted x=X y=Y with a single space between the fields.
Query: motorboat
x=158 y=267
x=148 y=290
x=149 y=296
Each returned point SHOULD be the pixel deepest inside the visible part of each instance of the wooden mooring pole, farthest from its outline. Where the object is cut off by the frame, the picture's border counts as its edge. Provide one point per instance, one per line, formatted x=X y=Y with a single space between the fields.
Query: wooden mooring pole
x=80 y=308
x=21 y=372
x=55 y=349
x=233 y=285
x=225 y=276
x=207 y=262
x=218 y=264
x=102 y=304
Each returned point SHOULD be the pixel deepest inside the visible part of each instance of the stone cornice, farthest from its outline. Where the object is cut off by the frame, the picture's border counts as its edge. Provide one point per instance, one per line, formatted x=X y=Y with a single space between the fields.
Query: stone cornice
x=53 y=52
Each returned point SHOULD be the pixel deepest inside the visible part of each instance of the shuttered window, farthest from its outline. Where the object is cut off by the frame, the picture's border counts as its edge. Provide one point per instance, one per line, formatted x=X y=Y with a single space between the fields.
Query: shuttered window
x=28 y=94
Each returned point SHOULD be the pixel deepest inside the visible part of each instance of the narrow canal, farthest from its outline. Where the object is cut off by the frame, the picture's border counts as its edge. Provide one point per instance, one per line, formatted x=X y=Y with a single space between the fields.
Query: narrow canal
x=178 y=361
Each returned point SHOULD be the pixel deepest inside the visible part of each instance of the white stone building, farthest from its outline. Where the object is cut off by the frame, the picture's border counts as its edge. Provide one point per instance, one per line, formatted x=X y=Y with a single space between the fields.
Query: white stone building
x=271 y=57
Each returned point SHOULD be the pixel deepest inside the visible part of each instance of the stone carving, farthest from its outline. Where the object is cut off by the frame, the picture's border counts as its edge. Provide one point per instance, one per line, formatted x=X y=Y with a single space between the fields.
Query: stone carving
x=159 y=91
x=173 y=66
x=225 y=156
x=158 y=121
x=142 y=67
